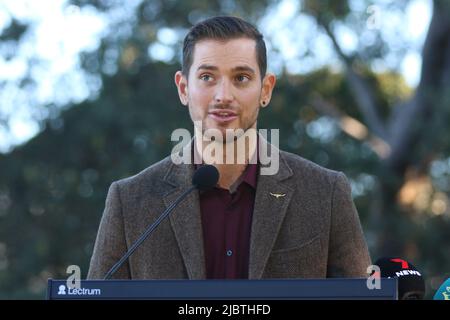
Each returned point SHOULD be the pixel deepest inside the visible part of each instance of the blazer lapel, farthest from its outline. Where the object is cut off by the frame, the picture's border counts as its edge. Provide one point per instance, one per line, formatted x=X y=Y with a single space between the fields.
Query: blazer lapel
x=186 y=220
x=271 y=203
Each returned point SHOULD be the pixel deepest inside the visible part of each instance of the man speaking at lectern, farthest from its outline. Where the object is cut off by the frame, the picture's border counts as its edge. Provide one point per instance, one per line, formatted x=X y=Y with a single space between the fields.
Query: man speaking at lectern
x=298 y=221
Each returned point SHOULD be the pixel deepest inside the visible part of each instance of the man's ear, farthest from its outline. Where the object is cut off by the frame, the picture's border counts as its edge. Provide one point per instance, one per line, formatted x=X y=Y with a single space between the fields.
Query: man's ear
x=268 y=84
x=181 y=83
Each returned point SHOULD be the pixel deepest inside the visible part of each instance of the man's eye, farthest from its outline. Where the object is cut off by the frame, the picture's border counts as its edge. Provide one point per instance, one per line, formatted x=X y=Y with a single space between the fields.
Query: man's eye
x=205 y=77
x=242 y=78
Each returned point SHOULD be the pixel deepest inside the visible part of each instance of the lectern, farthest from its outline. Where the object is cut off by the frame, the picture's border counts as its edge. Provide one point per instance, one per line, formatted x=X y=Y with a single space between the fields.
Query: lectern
x=266 y=289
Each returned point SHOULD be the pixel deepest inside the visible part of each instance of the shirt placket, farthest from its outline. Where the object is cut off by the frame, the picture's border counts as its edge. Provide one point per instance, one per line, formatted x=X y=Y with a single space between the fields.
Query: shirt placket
x=231 y=247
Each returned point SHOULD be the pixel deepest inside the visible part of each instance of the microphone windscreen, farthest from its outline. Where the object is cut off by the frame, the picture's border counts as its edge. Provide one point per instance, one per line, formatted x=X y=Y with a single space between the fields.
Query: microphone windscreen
x=206 y=177
x=443 y=292
x=411 y=284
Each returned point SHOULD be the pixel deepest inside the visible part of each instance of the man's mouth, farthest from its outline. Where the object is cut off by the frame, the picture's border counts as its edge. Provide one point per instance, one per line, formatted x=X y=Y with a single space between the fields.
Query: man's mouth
x=223 y=115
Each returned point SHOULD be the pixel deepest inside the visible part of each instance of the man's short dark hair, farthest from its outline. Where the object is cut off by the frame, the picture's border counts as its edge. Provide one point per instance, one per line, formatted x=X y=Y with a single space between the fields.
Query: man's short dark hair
x=223 y=28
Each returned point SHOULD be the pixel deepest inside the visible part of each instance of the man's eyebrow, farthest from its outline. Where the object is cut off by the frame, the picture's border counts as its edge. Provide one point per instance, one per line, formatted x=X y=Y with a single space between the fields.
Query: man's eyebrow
x=235 y=69
x=207 y=67
x=244 y=68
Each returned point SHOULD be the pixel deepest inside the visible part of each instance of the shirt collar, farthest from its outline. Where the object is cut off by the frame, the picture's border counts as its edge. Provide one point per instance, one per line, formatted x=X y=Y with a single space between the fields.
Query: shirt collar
x=250 y=174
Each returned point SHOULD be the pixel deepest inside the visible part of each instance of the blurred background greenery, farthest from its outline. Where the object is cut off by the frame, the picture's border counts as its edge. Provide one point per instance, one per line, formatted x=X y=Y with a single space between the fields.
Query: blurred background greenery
x=363 y=88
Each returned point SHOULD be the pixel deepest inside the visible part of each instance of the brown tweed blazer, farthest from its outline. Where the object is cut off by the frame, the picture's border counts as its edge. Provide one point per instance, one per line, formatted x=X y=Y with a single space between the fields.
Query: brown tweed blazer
x=312 y=232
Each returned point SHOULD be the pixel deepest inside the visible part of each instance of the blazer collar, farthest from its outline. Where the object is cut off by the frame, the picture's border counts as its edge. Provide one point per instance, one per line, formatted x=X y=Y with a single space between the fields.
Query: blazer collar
x=186 y=218
x=273 y=195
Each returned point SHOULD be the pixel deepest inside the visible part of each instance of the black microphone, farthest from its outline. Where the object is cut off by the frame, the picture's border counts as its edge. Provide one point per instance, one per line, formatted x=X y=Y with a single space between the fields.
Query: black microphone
x=411 y=285
x=204 y=178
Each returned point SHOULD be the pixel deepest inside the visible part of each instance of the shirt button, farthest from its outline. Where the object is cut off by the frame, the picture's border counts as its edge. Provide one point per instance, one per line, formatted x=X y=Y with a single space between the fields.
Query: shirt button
x=229 y=253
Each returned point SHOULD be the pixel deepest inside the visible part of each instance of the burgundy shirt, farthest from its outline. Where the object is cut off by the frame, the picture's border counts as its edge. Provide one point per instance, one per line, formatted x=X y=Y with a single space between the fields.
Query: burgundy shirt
x=226 y=221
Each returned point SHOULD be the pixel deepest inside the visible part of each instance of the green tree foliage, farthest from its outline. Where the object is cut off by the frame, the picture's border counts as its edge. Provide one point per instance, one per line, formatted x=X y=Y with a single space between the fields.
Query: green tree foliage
x=53 y=188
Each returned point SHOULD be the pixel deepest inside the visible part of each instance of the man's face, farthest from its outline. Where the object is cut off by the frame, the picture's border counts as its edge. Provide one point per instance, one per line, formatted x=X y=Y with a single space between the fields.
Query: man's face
x=224 y=88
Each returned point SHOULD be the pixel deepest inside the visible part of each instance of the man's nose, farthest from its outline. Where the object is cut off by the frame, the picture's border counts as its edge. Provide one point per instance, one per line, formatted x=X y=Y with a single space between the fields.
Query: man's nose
x=224 y=94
